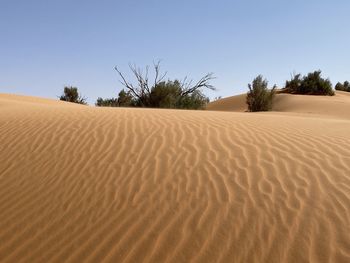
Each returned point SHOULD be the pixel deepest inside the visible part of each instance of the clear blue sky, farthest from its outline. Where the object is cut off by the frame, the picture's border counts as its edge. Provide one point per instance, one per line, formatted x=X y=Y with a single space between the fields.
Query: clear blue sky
x=45 y=45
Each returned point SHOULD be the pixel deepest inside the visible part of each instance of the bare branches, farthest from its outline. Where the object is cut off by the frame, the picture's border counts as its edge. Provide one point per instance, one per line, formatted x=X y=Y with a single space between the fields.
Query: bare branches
x=127 y=84
x=204 y=82
x=142 y=90
x=158 y=77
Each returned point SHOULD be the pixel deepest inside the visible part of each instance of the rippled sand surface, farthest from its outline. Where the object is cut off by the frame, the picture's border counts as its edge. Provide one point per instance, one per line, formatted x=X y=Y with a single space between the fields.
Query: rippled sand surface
x=85 y=184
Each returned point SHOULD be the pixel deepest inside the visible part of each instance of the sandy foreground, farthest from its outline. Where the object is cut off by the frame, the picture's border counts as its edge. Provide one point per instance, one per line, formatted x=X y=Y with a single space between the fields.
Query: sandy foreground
x=85 y=184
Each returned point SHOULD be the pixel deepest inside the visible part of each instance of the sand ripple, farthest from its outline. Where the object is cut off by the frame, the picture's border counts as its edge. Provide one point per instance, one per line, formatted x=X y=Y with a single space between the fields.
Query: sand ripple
x=79 y=184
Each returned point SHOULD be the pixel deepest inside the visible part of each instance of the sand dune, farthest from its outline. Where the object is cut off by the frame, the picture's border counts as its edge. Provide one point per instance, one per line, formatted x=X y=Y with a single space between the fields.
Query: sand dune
x=85 y=184
x=233 y=103
x=337 y=106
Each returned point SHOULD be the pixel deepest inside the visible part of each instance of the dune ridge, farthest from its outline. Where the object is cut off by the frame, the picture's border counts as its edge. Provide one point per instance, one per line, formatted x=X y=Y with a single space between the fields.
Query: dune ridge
x=84 y=184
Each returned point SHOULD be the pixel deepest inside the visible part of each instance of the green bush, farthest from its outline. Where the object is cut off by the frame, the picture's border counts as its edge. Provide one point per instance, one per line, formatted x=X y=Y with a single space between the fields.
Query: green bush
x=195 y=101
x=311 y=84
x=169 y=94
x=259 y=96
x=343 y=87
x=155 y=92
x=112 y=102
x=166 y=94
x=124 y=100
x=71 y=94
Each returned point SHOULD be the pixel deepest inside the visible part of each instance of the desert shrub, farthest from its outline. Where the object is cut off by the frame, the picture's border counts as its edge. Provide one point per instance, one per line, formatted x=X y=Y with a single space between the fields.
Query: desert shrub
x=339 y=86
x=343 y=87
x=168 y=94
x=124 y=100
x=259 y=96
x=71 y=94
x=165 y=94
x=293 y=85
x=195 y=101
x=311 y=84
x=155 y=92
x=110 y=102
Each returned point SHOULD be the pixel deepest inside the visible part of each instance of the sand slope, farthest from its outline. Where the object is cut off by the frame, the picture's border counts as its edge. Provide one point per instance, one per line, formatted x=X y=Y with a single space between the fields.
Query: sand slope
x=84 y=184
x=233 y=103
x=337 y=106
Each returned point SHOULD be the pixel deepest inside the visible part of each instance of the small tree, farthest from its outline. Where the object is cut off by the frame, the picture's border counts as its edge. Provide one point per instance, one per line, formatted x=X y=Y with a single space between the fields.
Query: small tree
x=293 y=85
x=311 y=84
x=195 y=100
x=71 y=94
x=124 y=100
x=165 y=94
x=339 y=86
x=259 y=97
x=111 y=102
x=156 y=92
x=169 y=94
x=347 y=86
x=343 y=87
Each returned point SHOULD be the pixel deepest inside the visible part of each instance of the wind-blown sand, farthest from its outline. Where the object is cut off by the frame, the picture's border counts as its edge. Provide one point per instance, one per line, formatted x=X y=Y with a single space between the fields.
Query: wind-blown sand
x=337 y=106
x=85 y=184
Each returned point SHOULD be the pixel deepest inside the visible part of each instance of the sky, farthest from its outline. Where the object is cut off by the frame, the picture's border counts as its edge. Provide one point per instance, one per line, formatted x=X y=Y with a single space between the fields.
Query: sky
x=46 y=45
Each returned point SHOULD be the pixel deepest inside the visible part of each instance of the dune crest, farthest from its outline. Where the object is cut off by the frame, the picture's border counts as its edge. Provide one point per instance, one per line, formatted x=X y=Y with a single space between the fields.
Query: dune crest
x=85 y=184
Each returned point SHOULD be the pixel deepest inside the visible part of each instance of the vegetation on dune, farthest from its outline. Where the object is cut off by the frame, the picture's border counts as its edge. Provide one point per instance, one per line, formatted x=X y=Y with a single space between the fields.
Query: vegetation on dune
x=259 y=96
x=311 y=84
x=156 y=92
x=109 y=102
x=71 y=94
x=124 y=99
x=343 y=86
x=169 y=94
x=159 y=93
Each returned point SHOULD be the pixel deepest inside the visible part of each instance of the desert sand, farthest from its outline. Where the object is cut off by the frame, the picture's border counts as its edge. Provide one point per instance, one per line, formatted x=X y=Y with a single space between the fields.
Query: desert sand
x=86 y=184
x=337 y=106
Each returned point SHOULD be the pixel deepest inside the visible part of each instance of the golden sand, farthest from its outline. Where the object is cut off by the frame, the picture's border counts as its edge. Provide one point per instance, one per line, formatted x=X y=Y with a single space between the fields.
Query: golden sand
x=86 y=184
